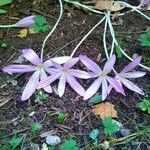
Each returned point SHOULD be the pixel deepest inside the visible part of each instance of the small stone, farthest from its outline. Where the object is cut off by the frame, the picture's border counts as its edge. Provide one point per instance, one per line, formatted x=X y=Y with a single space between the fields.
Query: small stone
x=53 y=140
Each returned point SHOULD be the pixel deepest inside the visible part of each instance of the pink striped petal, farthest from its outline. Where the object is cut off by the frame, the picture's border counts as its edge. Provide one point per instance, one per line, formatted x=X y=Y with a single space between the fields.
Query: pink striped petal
x=93 y=89
x=71 y=62
x=30 y=55
x=132 y=65
x=43 y=75
x=131 y=86
x=31 y=86
x=75 y=85
x=47 y=81
x=18 y=69
x=56 y=65
x=104 y=89
x=136 y=74
x=61 y=60
x=109 y=64
x=61 y=85
x=90 y=64
x=80 y=74
x=116 y=85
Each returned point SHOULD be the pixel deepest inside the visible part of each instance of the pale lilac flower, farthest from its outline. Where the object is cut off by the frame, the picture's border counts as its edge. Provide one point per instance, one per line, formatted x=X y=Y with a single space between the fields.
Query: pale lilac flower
x=102 y=77
x=65 y=74
x=38 y=67
x=125 y=74
x=25 y=22
x=144 y=4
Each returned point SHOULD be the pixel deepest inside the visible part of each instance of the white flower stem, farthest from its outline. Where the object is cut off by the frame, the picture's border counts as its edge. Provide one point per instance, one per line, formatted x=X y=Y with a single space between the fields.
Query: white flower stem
x=53 y=29
x=115 y=41
x=75 y=49
x=7 y=26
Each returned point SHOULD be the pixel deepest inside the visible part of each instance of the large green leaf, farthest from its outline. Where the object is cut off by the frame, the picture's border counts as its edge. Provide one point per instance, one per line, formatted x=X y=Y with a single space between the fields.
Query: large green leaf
x=4 y=2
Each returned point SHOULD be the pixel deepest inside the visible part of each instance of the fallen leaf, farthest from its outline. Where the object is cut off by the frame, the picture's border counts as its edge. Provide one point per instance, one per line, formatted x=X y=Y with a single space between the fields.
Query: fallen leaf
x=23 y=33
x=105 y=109
x=31 y=31
x=110 y=5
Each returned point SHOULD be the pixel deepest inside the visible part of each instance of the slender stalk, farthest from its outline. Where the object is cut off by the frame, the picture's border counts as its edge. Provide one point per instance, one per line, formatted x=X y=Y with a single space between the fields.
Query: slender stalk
x=115 y=41
x=75 y=49
x=7 y=26
x=53 y=29
x=112 y=48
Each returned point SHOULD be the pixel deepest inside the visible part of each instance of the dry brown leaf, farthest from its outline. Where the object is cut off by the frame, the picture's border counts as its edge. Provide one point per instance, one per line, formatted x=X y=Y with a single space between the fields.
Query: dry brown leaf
x=105 y=109
x=23 y=33
x=110 y=5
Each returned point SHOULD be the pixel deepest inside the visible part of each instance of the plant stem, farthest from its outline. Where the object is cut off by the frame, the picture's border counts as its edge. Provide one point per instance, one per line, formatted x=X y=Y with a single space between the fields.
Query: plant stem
x=115 y=41
x=7 y=26
x=75 y=49
x=53 y=29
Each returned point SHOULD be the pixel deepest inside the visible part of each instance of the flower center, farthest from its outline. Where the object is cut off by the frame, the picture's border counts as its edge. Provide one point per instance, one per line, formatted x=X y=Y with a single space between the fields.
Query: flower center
x=102 y=74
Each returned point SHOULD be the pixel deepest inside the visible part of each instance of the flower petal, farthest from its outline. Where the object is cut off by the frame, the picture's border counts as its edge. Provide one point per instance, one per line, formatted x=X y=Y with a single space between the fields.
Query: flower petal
x=109 y=64
x=61 y=60
x=18 y=68
x=48 y=80
x=75 y=85
x=80 y=74
x=116 y=84
x=104 y=89
x=25 y=22
x=61 y=85
x=90 y=64
x=132 y=65
x=93 y=88
x=30 y=55
x=31 y=86
x=43 y=75
x=71 y=62
x=131 y=86
x=136 y=74
x=56 y=65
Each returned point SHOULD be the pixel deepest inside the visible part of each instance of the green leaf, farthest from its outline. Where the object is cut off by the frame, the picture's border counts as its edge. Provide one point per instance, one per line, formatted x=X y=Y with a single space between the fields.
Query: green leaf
x=94 y=134
x=118 y=51
x=144 y=105
x=41 y=96
x=145 y=39
x=15 y=142
x=45 y=28
x=35 y=126
x=36 y=28
x=5 y=2
x=96 y=99
x=61 y=117
x=40 y=20
x=2 y=11
x=69 y=145
x=110 y=126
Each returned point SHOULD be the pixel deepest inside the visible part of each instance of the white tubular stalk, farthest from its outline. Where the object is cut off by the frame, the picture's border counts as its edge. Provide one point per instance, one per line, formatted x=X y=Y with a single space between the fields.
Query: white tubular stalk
x=53 y=29
x=75 y=49
x=7 y=26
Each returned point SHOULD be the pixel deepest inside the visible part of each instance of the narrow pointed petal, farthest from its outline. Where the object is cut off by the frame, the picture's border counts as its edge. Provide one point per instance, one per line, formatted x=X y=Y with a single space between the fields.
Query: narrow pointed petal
x=61 y=60
x=109 y=64
x=116 y=84
x=136 y=74
x=30 y=55
x=31 y=86
x=61 y=85
x=56 y=65
x=90 y=64
x=93 y=88
x=80 y=74
x=104 y=89
x=131 y=86
x=43 y=75
x=25 y=22
x=75 y=85
x=47 y=81
x=132 y=65
x=18 y=69
x=71 y=62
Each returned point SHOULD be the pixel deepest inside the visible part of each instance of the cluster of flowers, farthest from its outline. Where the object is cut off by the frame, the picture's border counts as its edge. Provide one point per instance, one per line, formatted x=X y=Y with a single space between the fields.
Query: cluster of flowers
x=61 y=68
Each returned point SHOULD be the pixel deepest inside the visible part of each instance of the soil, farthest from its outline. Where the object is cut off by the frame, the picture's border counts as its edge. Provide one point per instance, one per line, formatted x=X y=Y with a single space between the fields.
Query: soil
x=79 y=121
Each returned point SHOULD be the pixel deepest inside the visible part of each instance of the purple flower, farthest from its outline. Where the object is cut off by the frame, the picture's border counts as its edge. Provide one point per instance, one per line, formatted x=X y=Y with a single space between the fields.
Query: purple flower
x=125 y=74
x=25 y=22
x=102 y=77
x=38 y=67
x=144 y=4
x=65 y=75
